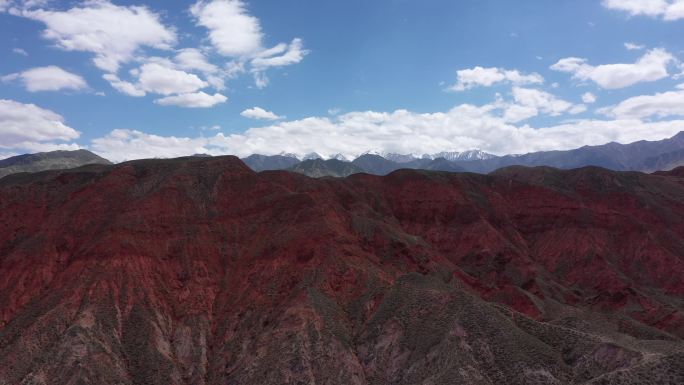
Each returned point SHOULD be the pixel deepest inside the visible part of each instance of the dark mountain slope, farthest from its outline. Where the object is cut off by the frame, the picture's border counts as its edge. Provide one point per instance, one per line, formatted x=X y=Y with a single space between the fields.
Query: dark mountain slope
x=317 y=168
x=441 y=164
x=274 y=162
x=376 y=164
x=53 y=160
x=201 y=271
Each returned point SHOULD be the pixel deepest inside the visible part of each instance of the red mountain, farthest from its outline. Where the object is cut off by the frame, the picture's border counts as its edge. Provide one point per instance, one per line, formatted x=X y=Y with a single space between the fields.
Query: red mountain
x=201 y=271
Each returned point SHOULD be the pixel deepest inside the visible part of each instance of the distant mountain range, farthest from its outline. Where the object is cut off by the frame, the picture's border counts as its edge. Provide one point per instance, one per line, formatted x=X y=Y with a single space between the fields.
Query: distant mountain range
x=642 y=156
x=53 y=160
x=638 y=156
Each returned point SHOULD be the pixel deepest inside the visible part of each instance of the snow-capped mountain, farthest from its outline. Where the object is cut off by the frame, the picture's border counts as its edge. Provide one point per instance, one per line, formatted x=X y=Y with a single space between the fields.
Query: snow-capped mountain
x=394 y=157
x=289 y=155
x=448 y=155
x=339 y=157
x=465 y=155
x=312 y=155
x=400 y=158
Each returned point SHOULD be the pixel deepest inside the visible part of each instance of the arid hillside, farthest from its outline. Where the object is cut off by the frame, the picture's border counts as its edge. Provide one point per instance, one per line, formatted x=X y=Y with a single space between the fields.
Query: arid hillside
x=201 y=271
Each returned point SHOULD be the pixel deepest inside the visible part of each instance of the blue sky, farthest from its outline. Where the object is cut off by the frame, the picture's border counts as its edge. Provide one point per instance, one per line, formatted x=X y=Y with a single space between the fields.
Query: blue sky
x=132 y=79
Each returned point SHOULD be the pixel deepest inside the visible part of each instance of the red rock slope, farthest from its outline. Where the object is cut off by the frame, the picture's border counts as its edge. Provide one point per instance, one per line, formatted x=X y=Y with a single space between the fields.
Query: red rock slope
x=200 y=271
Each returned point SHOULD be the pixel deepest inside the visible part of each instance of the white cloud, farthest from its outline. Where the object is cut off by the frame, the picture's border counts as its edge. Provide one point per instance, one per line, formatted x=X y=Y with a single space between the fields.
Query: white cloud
x=6 y=154
x=487 y=77
x=120 y=145
x=117 y=35
x=20 y=51
x=234 y=68
x=232 y=30
x=112 y=33
x=530 y=102
x=577 y=109
x=32 y=147
x=50 y=78
x=589 y=98
x=217 y=82
x=27 y=126
x=190 y=59
x=667 y=9
x=634 y=47
x=644 y=106
x=122 y=86
x=293 y=54
x=650 y=67
x=461 y=128
x=278 y=56
x=192 y=100
x=260 y=79
x=194 y=59
x=259 y=113
x=235 y=33
x=675 y=11
x=159 y=79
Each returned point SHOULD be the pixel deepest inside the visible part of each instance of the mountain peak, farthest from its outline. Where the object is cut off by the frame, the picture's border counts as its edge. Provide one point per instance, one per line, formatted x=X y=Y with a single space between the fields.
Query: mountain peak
x=288 y=155
x=339 y=156
x=312 y=155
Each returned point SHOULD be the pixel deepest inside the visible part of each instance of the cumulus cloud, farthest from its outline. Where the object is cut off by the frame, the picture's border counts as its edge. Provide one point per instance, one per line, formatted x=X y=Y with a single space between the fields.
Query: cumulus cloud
x=461 y=128
x=119 y=34
x=650 y=67
x=528 y=103
x=192 y=100
x=589 y=98
x=50 y=78
x=123 y=86
x=20 y=51
x=666 y=9
x=159 y=79
x=232 y=30
x=194 y=59
x=487 y=77
x=644 y=106
x=259 y=113
x=235 y=33
x=111 y=32
x=121 y=145
x=27 y=126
